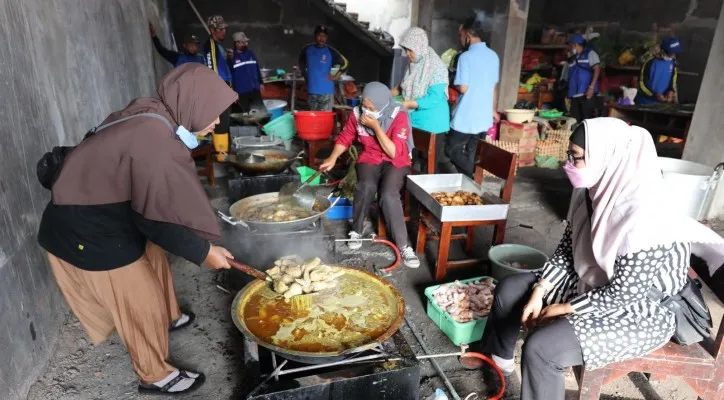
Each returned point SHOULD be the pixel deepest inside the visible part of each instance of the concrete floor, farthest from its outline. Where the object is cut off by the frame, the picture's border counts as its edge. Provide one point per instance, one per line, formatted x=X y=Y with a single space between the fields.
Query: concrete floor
x=212 y=344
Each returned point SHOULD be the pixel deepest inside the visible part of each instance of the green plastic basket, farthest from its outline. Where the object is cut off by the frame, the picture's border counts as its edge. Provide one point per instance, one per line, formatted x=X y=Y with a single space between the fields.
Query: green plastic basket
x=550 y=114
x=306 y=173
x=282 y=127
x=458 y=332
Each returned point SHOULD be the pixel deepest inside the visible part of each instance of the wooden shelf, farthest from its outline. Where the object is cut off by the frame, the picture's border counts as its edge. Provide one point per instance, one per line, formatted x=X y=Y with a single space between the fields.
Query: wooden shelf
x=546 y=46
x=637 y=68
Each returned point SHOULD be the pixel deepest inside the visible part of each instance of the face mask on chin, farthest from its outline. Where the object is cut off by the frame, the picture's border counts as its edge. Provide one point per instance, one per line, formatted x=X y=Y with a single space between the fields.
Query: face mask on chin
x=187 y=137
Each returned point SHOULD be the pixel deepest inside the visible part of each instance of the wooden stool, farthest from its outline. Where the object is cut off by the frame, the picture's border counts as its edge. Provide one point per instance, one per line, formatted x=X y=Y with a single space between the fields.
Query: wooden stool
x=312 y=147
x=424 y=143
x=206 y=153
x=499 y=163
x=700 y=365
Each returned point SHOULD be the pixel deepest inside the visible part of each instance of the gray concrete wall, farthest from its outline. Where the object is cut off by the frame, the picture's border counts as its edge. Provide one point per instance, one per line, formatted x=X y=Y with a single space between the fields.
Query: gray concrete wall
x=705 y=144
x=264 y=22
x=65 y=66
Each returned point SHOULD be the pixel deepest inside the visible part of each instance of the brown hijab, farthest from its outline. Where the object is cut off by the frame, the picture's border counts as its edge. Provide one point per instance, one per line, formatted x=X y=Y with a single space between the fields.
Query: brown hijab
x=142 y=161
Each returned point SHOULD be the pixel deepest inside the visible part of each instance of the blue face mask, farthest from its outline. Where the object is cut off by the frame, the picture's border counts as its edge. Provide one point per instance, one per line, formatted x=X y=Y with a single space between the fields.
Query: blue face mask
x=187 y=137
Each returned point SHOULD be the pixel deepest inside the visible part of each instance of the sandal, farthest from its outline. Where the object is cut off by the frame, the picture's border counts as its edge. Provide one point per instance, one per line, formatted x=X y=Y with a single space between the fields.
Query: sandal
x=178 y=324
x=151 y=389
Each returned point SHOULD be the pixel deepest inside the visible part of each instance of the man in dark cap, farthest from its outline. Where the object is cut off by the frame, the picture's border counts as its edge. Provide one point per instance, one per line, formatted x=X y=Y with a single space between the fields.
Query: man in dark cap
x=215 y=59
x=190 y=54
x=316 y=61
x=659 y=75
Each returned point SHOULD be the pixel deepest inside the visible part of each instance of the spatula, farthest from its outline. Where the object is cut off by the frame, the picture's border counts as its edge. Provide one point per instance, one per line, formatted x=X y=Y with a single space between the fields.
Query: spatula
x=303 y=194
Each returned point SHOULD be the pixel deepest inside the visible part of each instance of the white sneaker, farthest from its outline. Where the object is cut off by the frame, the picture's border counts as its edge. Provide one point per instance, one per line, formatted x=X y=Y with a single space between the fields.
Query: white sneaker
x=354 y=244
x=409 y=258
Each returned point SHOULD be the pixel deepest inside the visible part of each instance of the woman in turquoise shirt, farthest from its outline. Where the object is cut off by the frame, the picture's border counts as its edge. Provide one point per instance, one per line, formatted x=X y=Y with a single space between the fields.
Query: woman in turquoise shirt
x=424 y=87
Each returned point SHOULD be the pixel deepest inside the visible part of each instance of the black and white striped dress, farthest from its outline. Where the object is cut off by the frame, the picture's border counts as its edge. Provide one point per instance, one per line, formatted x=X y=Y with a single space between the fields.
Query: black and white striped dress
x=617 y=322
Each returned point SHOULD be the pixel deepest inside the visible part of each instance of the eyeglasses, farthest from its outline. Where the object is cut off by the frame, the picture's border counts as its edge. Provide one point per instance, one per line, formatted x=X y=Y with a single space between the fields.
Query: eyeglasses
x=572 y=157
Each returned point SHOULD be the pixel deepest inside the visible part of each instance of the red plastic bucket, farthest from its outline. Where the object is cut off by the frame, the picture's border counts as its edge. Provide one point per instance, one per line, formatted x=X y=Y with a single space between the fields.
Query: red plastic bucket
x=314 y=125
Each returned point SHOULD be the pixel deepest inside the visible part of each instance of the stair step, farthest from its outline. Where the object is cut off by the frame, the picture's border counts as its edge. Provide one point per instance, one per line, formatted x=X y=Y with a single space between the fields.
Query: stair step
x=355 y=16
x=341 y=6
x=365 y=24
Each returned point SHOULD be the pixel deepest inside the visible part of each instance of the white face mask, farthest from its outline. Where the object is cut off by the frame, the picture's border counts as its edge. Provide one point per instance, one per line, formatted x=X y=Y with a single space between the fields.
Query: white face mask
x=187 y=137
x=373 y=114
x=667 y=58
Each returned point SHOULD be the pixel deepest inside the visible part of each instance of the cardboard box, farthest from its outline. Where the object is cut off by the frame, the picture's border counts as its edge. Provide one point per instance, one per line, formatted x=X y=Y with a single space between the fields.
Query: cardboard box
x=526 y=135
x=510 y=132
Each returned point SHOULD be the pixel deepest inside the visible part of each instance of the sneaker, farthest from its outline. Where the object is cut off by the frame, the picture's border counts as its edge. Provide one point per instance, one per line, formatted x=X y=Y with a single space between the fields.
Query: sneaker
x=354 y=244
x=409 y=258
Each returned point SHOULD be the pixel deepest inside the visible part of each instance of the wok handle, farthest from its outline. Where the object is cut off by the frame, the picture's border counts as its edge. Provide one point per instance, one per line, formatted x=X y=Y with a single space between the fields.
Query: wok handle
x=247 y=269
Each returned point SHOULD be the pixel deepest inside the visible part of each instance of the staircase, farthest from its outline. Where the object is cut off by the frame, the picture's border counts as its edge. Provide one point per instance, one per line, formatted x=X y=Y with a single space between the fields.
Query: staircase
x=360 y=29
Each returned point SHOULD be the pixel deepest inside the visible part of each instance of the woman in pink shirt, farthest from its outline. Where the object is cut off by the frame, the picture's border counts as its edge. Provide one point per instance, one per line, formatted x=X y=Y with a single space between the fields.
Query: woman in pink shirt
x=382 y=128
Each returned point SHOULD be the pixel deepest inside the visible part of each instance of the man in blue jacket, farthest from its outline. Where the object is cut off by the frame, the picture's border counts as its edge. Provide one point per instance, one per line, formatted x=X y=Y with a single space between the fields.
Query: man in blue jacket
x=659 y=75
x=246 y=74
x=190 y=54
x=215 y=59
x=316 y=61
x=584 y=69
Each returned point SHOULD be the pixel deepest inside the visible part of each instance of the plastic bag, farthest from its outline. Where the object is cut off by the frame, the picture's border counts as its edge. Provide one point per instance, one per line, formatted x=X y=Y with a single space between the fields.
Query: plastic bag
x=550 y=162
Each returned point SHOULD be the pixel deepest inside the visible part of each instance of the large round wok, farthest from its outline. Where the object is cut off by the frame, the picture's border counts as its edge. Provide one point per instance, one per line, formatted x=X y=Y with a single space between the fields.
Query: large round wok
x=277 y=160
x=240 y=208
x=245 y=295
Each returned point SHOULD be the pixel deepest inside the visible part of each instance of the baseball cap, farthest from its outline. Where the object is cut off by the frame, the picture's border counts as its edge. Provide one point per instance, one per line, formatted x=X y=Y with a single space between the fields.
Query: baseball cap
x=217 y=21
x=321 y=29
x=239 y=37
x=577 y=39
x=191 y=38
x=671 y=46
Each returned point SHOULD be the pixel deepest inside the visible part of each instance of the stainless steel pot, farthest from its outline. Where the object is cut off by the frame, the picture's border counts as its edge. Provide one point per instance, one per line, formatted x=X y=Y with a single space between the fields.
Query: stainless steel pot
x=265 y=73
x=241 y=206
x=690 y=186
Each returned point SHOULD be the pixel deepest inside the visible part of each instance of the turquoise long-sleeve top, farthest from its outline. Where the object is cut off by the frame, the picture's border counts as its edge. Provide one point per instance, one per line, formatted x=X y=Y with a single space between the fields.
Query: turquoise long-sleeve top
x=433 y=112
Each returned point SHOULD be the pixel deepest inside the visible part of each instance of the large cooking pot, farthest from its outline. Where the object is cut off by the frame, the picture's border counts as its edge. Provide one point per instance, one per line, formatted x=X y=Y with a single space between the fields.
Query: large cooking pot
x=241 y=207
x=277 y=160
x=690 y=186
x=245 y=295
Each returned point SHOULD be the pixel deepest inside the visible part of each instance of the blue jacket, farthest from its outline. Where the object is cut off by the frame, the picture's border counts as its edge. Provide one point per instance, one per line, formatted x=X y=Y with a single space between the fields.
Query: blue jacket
x=245 y=72
x=174 y=57
x=580 y=74
x=215 y=59
x=658 y=76
x=433 y=112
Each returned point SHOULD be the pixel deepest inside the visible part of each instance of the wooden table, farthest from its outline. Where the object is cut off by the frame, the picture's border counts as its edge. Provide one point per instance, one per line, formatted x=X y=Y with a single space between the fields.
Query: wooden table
x=667 y=121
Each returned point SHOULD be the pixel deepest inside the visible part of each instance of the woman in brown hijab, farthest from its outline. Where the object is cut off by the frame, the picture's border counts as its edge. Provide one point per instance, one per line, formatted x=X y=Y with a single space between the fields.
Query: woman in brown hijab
x=124 y=195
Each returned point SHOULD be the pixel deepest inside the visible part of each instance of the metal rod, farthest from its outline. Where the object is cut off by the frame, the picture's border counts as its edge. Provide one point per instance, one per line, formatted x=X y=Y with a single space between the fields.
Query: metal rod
x=274 y=365
x=373 y=357
x=435 y=365
x=191 y=3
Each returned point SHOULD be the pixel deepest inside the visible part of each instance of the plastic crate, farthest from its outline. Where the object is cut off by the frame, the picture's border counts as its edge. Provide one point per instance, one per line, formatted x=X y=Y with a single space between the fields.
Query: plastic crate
x=341 y=210
x=306 y=173
x=458 y=332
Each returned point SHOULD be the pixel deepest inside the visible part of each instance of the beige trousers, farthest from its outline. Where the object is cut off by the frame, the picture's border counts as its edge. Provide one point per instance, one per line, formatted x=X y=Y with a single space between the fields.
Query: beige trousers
x=137 y=301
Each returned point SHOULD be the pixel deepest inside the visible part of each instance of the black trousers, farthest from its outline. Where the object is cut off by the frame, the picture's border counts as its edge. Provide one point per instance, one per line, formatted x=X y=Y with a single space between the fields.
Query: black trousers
x=583 y=108
x=547 y=351
x=247 y=101
x=390 y=181
x=461 y=148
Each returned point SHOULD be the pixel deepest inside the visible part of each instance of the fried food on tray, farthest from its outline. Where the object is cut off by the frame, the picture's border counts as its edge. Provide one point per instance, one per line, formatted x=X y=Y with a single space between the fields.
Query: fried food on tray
x=466 y=302
x=459 y=198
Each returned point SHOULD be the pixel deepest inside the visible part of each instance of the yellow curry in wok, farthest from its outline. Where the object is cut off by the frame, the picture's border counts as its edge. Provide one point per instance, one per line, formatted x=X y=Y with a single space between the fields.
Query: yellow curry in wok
x=356 y=311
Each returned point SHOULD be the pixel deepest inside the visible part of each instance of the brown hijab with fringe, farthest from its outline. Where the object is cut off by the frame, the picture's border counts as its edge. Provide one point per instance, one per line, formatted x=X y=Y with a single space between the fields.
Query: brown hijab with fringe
x=142 y=161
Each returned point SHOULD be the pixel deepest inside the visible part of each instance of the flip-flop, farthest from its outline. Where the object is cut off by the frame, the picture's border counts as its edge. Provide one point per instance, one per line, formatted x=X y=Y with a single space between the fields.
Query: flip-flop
x=189 y=314
x=153 y=390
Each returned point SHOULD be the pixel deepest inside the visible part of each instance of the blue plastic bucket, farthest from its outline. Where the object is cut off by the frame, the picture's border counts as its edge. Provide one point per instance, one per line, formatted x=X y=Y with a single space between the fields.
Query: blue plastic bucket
x=275 y=108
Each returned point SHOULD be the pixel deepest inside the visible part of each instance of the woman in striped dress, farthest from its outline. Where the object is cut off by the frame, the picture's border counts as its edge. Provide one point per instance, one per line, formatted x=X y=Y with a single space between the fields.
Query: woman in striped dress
x=589 y=305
